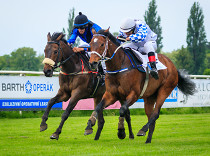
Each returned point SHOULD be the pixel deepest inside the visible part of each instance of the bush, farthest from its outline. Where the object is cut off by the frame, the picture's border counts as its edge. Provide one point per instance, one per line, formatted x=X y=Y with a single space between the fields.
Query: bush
x=206 y=72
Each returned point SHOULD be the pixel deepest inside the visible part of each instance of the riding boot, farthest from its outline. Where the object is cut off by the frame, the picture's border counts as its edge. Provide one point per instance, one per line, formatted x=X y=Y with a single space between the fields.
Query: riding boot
x=101 y=74
x=152 y=60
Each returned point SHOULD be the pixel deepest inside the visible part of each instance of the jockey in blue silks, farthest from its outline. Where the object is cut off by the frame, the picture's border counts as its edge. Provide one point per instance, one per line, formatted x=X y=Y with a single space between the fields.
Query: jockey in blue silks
x=142 y=38
x=83 y=28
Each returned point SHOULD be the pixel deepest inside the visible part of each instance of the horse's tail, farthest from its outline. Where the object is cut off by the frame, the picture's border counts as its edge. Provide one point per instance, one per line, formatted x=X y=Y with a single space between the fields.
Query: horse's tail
x=185 y=84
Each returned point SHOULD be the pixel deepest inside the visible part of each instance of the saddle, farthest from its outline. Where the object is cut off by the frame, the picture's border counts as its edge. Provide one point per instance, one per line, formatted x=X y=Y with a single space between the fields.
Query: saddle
x=140 y=60
x=135 y=61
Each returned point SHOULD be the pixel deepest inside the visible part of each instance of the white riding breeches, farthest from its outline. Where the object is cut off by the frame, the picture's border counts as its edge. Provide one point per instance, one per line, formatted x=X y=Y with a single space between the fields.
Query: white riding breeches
x=149 y=46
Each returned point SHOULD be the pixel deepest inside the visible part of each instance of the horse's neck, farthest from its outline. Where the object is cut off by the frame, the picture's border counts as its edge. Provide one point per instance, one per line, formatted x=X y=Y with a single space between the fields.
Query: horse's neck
x=119 y=60
x=73 y=64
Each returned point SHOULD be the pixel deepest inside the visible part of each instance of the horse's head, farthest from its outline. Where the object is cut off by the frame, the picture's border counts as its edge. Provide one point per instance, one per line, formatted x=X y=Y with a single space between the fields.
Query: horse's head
x=53 y=53
x=99 y=47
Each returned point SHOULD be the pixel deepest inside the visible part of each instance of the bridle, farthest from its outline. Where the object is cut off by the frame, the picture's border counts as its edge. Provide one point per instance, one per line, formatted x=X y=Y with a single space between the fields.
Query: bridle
x=103 y=56
x=56 y=64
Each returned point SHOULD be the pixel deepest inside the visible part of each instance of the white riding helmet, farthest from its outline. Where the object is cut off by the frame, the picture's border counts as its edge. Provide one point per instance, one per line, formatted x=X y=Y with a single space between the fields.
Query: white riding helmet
x=127 y=25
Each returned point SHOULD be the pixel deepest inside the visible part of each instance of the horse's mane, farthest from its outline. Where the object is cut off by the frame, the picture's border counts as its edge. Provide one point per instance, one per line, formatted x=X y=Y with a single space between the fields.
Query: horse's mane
x=110 y=36
x=55 y=35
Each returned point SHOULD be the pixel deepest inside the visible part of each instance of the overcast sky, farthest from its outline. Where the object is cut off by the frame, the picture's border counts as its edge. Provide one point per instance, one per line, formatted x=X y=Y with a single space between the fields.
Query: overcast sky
x=25 y=23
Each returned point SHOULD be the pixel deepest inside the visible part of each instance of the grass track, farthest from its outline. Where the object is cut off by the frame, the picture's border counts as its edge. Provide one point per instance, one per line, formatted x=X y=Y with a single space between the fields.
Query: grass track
x=174 y=135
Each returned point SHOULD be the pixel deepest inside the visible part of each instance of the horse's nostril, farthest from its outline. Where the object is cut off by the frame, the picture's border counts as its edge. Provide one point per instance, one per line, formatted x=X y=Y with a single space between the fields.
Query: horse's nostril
x=48 y=72
x=94 y=65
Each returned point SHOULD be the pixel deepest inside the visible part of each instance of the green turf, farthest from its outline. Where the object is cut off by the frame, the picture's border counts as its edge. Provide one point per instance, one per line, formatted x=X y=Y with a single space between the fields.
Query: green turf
x=107 y=112
x=174 y=135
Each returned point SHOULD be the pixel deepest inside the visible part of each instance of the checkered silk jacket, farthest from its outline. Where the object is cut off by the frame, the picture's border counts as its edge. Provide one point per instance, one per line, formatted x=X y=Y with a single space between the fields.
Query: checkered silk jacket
x=142 y=33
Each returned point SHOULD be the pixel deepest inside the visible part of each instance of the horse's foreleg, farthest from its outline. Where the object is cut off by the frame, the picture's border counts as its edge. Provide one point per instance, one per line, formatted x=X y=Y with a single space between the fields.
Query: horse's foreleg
x=58 y=98
x=121 y=128
x=125 y=112
x=92 y=119
x=65 y=115
x=43 y=125
x=101 y=122
x=107 y=100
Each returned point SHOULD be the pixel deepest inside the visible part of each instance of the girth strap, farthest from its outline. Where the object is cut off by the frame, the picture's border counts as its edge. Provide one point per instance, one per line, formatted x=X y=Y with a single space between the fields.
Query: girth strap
x=145 y=83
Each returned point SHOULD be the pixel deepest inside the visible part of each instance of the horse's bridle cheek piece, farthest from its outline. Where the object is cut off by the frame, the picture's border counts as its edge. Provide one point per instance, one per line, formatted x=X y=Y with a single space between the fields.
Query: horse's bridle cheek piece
x=103 y=56
x=50 y=61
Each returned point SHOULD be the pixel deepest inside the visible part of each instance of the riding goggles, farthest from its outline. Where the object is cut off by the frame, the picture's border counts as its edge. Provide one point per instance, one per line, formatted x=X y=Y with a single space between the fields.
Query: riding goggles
x=82 y=27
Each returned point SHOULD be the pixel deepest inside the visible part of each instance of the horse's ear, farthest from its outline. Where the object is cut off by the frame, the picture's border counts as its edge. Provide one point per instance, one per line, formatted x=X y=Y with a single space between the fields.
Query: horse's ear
x=59 y=37
x=107 y=30
x=48 y=37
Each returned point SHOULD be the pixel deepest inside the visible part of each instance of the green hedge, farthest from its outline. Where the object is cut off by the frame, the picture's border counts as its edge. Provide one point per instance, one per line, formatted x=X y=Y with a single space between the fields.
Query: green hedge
x=111 y=112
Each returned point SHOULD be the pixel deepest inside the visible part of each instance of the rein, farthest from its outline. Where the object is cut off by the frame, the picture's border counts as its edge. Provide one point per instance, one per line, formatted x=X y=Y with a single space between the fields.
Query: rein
x=81 y=72
x=103 y=56
x=55 y=65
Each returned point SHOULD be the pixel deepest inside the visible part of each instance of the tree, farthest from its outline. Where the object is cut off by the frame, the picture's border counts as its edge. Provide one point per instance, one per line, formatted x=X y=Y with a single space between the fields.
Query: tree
x=41 y=58
x=153 y=21
x=71 y=26
x=184 y=60
x=24 y=59
x=196 y=38
x=208 y=55
x=115 y=34
x=5 y=62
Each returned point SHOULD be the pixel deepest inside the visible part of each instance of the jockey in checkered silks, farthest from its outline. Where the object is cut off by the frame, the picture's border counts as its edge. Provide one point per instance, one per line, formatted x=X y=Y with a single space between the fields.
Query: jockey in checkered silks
x=142 y=38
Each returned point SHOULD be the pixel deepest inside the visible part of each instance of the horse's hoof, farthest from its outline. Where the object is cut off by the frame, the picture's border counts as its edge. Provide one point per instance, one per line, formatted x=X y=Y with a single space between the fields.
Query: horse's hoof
x=121 y=133
x=131 y=137
x=147 y=142
x=43 y=127
x=141 y=133
x=88 y=131
x=54 y=136
x=96 y=138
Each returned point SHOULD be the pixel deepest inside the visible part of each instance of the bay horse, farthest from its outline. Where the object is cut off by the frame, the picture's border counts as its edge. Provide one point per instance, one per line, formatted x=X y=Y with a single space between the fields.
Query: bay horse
x=76 y=80
x=127 y=85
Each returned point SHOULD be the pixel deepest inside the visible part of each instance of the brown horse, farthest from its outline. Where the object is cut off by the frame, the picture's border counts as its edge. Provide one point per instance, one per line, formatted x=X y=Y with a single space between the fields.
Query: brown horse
x=76 y=80
x=127 y=85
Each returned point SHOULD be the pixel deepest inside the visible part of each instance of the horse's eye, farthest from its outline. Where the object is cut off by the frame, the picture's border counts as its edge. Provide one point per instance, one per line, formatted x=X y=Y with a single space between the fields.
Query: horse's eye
x=55 y=52
x=102 y=44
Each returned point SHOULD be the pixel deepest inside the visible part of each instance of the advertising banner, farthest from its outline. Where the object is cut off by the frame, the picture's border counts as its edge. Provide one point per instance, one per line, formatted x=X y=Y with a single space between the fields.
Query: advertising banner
x=176 y=99
x=31 y=92
x=21 y=92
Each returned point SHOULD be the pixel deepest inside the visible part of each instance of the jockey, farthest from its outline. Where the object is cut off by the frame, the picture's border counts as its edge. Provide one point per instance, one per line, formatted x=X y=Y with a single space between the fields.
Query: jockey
x=83 y=28
x=142 y=38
